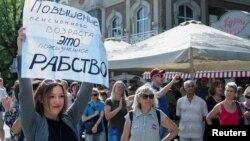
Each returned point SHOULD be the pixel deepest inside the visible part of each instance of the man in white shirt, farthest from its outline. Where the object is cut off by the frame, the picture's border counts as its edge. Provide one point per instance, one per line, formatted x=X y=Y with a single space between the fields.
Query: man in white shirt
x=191 y=110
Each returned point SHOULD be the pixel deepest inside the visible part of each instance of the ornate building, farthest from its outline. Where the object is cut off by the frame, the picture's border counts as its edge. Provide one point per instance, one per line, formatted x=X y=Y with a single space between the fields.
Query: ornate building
x=136 y=20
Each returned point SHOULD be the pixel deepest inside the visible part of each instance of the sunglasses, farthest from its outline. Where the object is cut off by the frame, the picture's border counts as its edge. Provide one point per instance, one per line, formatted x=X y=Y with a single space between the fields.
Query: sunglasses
x=150 y=96
x=103 y=94
x=247 y=97
x=94 y=94
x=48 y=81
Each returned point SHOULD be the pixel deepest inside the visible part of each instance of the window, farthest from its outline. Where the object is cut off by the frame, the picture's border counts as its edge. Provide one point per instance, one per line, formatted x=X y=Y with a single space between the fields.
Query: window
x=142 y=21
x=114 y=25
x=185 y=14
x=116 y=28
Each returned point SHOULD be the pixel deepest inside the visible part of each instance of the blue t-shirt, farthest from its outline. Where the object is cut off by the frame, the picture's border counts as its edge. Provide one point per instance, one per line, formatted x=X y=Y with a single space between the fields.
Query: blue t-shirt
x=162 y=100
x=91 y=108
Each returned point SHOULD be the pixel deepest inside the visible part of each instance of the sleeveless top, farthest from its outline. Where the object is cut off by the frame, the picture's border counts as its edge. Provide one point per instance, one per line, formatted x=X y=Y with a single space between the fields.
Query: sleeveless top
x=227 y=118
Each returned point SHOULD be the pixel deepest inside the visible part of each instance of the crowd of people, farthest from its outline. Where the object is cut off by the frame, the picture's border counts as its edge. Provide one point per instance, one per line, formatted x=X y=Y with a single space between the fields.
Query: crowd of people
x=66 y=106
x=39 y=110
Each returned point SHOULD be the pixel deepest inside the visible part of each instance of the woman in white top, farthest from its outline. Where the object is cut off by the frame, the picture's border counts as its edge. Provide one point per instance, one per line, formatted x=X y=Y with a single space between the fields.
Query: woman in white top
x=145 y=125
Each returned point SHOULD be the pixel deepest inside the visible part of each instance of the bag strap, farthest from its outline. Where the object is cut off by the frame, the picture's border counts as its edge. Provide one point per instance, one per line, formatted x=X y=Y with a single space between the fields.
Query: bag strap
x=131 y=113
x=158 y=116
x=131 y=116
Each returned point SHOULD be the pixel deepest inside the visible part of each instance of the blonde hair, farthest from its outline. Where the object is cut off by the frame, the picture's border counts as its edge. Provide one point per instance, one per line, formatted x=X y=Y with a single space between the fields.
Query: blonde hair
x=139 y=92
x=113 y=89
x=232 y=85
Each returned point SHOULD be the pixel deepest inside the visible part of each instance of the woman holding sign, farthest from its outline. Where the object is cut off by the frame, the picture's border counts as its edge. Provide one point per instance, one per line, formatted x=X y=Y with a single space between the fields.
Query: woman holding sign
x=45 y=118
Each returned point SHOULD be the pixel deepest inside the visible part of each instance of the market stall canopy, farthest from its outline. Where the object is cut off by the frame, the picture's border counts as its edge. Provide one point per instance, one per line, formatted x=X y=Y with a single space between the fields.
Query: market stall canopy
x=189 y=47
x=201 y=74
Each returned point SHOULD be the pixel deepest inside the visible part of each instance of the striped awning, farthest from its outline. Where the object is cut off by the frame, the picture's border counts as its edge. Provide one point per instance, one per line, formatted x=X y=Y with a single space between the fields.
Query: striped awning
x=200 y=74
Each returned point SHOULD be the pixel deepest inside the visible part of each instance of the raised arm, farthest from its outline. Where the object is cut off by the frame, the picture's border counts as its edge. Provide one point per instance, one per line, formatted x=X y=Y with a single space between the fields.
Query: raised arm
x=27 y=109
x=165 y=89
x=83 y=96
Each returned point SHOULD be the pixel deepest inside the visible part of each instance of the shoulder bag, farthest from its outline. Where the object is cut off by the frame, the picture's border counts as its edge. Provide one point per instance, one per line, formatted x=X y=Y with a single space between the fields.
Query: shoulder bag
x=89 y=124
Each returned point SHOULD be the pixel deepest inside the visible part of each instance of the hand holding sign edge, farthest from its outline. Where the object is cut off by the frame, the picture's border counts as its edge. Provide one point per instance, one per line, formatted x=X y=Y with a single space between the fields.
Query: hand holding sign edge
x=20 y=39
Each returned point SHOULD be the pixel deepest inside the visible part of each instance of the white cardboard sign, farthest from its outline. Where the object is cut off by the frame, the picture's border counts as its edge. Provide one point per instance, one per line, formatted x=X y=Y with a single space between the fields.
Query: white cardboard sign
x=62 y=42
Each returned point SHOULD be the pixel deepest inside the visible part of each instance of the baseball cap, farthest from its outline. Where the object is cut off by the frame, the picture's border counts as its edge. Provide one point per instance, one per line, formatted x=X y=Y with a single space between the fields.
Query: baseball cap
x=156 y=71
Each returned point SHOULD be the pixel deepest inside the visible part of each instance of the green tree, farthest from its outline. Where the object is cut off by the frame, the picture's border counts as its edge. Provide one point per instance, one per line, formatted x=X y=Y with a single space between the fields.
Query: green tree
x=10 y=22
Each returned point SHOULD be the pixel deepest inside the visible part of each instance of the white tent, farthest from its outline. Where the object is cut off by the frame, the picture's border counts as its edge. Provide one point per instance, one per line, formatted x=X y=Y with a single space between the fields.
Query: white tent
x=189 y=47
x=115 y=45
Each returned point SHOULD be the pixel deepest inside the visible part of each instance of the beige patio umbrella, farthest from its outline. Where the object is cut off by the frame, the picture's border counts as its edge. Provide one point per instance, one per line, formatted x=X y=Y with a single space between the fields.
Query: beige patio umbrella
x=189 y=47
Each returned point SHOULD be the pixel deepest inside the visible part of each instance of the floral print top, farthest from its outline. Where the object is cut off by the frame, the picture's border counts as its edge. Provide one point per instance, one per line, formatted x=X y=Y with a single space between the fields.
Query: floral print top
x=9 y=119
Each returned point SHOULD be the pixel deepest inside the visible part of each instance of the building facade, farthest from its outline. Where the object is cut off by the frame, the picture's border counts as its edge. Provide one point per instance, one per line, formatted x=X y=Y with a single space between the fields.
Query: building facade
x=137 y=20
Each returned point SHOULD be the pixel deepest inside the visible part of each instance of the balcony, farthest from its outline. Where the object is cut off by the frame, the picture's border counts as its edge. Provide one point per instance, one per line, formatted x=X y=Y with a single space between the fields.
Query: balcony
x=134 y=38
x=87 y=5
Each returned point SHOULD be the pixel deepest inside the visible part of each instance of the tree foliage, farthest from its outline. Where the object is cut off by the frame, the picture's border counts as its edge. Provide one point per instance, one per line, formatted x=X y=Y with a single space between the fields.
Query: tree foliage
x=10 y=22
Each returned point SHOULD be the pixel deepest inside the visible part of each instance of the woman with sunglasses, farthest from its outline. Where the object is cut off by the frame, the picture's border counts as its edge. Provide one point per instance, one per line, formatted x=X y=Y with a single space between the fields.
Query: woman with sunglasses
x=145 y=125
x=245 y=106
x=44 y=117
x=94 y=113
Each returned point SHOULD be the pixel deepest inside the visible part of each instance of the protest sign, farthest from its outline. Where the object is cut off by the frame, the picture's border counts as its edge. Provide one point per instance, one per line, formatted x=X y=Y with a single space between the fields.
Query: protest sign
x=62 y=42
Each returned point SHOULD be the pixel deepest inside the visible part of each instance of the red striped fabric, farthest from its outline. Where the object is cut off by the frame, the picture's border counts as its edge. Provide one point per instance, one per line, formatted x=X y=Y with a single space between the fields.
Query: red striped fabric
x=200 y=74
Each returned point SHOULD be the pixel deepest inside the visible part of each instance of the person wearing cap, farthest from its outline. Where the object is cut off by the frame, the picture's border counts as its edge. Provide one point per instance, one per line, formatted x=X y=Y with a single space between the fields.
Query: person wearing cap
x=157 y=80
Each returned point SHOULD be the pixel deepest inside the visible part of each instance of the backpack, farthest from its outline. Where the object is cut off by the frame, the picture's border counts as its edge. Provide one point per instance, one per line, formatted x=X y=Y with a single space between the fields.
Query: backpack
x=131 y=114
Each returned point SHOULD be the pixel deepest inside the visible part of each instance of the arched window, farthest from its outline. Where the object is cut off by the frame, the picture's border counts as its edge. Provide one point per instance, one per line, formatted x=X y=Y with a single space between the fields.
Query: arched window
x=185 y=14
x=185 y=10
x=116 y=27
x=142 y=20
x=114 y=24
